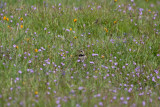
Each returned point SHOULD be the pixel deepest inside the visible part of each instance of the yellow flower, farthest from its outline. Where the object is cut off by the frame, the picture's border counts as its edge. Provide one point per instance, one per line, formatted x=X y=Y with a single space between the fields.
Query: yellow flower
x=70 y=29
x=8 y=26
x=96 y=71
x=21 y=26
x=36 y=50
x=16 y=47
x=7 y=19
x=36 y=92
x=146 y=0
x=75 y=20
x=106 y=29
x=27 y=39
x=115 y=22
x=75 y=37
x=4 y=18
x=21 y=18
x=23 y=83
x=115 y=0
x=71 y=55
x=102 y=56
x=149 y=10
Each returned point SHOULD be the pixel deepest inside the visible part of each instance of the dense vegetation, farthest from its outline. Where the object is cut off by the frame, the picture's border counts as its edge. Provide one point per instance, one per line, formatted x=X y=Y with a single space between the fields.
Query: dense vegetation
x=40 y=43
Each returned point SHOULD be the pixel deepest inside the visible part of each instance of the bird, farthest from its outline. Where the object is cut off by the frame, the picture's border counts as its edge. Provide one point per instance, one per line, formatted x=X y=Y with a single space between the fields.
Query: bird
x=81 y=56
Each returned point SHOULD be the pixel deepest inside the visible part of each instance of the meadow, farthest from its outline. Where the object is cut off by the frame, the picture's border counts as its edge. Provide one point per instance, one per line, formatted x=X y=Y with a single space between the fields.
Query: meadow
x=40 y=43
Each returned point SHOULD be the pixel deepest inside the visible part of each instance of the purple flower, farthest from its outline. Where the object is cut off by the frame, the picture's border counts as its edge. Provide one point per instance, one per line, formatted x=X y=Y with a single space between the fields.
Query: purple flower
x=57 y=102
x=94 y=54
x=153 y=79
x=78 y=60
x=84 y=65
x=14 y=45
x=62 y=64
x=29 y=61
x=35 y=8
x=121 y=98
x=143 y=103
x=8 y=104
x=129 y=8
x=80 y=88
x=59 y=4
x=128 y=98
x=114 y=97
x=91 y=62
x=100 y=104
x=125 y=102
x=20 y=72
x=123 y=67
x=115 y=63
x=98 y=7
x=11 y=88
x=77 y=105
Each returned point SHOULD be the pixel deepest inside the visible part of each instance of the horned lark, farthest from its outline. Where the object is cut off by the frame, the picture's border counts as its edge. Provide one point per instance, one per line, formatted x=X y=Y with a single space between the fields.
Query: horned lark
x=82 y=56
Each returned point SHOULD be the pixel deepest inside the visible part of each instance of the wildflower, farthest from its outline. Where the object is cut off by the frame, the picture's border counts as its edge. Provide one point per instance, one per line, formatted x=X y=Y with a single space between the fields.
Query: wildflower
x=70 y=29
x=75 y=37
x=149 y=10
x=8 y=26
x=7 y=19
x=80 y=88
x=96 y=71
x=21 y=19
x=94 y=54
x=20 y=72
x=106 y=29
x=121 y=98
x=16 y=47
x=21 y=26
x=143 y=103
x=27 y=39
x=115 y=22
x=29 y=61
x=115 y=0
x=91 y=62
x=36 y=92
x=100 y=104
x=71 y=55
x=36 y=50
x=102 y=56
x=146 y=0
x=75 y=20
x=23 y=83
x=4 y=18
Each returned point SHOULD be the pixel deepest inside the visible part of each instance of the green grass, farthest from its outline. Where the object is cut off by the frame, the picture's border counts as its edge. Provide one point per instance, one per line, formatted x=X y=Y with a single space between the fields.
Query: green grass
x=125 y=72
